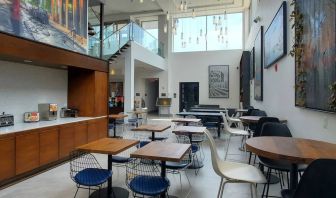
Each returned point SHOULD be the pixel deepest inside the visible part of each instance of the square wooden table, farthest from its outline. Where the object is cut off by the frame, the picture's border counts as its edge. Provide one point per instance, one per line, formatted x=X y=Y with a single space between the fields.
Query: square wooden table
x=114 y=118
x=163 y=151
x=109 y=146
x=152 y=128
x=186 y=121
x=137 y=113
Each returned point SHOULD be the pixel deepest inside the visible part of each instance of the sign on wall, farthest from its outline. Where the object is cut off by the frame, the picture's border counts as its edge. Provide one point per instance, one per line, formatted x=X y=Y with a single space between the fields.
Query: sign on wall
x=61 y=23
x=218 y=81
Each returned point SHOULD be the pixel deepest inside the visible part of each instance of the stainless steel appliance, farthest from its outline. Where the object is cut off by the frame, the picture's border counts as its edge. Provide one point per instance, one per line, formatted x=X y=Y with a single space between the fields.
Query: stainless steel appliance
x=31 y=117
x=69 y=113
x=6 y=120
x=48 y=111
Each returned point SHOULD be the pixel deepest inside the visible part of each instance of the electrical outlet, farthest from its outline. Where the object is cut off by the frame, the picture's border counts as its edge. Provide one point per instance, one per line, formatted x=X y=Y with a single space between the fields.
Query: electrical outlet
x=325 y=122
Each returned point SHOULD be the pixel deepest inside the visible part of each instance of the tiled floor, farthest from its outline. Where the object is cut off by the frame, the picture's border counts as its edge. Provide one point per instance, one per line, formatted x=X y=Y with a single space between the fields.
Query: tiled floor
x=56 y=183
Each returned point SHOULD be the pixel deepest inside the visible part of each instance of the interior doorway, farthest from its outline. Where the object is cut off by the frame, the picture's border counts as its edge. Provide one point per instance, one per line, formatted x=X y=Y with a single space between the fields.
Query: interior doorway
x=151 y=94
x=189 y=95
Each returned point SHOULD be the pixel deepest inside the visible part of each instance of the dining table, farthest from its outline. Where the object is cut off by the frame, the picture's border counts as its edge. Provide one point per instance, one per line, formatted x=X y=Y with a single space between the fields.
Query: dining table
x=114 y=118
x=293 y=150
x=218 y=117
x=109 y=146
x=255 y=119
x=162 y=151
x=186 y=121
x=137 y=113
x=190 y=131
x=153 y=128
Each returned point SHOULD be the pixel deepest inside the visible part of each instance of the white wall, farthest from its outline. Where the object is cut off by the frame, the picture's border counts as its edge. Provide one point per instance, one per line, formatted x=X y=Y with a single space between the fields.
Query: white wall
x=193 y=67
x=279 y=92
x=23 y=87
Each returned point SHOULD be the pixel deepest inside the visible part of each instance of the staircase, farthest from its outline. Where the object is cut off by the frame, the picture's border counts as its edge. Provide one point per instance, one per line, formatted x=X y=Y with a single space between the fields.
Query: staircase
x=119 y=41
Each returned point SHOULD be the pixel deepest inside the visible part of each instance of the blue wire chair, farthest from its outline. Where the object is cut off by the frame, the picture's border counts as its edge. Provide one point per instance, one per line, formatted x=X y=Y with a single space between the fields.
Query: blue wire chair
x=86 y=172
x=145 y=179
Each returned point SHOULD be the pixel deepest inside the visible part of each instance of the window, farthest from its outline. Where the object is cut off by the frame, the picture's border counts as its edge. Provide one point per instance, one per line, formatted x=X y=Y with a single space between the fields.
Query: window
x=152 y=27
x=207 y=33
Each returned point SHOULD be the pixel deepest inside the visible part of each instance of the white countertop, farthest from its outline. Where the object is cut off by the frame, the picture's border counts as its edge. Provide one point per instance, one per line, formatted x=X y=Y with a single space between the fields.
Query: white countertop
x=18 y=127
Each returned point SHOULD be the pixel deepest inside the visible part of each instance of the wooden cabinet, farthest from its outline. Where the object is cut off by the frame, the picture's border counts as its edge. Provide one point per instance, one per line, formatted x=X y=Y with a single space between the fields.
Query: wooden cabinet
x=7 y=161
x=101 y=82
x=97 y=129
x=102 y=127
x=81 y=134
x=49 y=146
x=27 y=152
x=66 y=140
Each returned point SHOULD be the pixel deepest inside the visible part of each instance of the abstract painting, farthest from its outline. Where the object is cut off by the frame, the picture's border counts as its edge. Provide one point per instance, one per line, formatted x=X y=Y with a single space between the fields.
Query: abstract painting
x=276 y=37
x=316 y=66
x=61 y=23
x=258 y=65
x=218 y=81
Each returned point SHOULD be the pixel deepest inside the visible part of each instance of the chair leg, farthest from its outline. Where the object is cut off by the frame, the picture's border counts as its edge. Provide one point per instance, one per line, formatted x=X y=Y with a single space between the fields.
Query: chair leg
x=222 y=191
x=250 y=158
x=220 y=188
x=180 y=180
x=254 y=193
x=76 y=192
x=228 y=146
x=268 y=182
x=89 y=192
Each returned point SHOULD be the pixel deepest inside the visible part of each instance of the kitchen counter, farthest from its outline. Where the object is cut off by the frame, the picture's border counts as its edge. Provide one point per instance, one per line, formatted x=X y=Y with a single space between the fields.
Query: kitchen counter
x=20 y=127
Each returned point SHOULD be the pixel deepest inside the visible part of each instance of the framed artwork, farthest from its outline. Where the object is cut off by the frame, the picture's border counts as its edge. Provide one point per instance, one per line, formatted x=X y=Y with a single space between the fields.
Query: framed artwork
x=276 y=37
x=252 y=64
x=315 y=65
x=219 y=81
x=258 y=65
x=58 y=23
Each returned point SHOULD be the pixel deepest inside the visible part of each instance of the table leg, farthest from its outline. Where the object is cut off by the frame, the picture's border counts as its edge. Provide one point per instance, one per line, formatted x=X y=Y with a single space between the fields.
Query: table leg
x=137 y=122
x=218 y=128
x=293 y=177
x=115 y=127
x=163 y=175
x=153 y=136
x=109 y=182
x=186 y=124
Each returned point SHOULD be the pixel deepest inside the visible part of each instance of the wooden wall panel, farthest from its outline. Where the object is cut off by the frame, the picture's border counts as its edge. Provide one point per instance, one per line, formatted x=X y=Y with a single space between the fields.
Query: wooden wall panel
x=101 y=91
x=7 y=161
x=81 y=134
x=66 y=140
x=19 y=49
x=102 y=127
x=93 y=129
x=49 y=146
x=27 y=152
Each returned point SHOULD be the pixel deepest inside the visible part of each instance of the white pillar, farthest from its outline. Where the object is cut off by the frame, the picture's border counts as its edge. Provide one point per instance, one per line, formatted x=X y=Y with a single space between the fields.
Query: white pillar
x=129 y=82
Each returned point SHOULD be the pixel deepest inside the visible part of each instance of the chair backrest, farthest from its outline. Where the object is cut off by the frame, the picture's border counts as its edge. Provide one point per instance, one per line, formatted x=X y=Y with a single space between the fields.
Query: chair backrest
x=214 y=154
x=275 y=129
x=261 y=122
x=225 y=122
x=257 y=112
x=249 y=111
x=80 y=161
x=318 y=180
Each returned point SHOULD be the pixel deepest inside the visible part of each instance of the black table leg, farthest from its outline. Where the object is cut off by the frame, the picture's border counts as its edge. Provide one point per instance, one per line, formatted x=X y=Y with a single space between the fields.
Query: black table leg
x=218 y=129
x=293 y=177
x=137 y=121
x=163 y=175
x=153 y=136
x=109 y=182
x=186 y=124
x=115 y=127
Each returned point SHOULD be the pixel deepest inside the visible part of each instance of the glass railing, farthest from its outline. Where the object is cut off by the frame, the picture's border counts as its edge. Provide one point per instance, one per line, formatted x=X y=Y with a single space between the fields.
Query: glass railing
x=116 y=40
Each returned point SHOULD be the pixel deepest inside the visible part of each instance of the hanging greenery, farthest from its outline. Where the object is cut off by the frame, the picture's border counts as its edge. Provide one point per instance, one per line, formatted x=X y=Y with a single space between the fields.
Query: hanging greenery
x=297 y=53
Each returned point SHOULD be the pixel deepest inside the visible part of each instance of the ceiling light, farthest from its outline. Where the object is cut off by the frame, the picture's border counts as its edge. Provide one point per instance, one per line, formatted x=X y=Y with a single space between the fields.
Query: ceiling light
x=165 y=28
x=112 y=72
x=193 y=13
x=185 y=7
x=168 y=16
x=181 y=6
x=141 y=1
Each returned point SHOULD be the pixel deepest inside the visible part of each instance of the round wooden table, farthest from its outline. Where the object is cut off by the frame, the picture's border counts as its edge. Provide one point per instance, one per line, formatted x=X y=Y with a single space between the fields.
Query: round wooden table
x=293 y=150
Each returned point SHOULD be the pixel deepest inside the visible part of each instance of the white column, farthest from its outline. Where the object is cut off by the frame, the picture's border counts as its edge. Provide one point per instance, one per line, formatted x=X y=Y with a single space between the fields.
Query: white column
x=129 y=82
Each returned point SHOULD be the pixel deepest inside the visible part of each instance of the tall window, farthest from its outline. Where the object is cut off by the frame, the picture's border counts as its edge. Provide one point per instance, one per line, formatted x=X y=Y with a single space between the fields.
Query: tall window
x=207 y=33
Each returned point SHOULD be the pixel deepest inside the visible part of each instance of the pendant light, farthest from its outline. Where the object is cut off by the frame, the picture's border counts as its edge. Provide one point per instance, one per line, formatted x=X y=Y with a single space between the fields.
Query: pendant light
x=181 y=6
x=219 y=21
x=193 y=14
x=201 y=32
x=197 y=40
x=165 y=28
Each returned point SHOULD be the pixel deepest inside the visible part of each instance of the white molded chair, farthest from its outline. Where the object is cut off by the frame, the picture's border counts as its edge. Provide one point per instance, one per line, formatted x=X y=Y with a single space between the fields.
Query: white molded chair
x=232 y=120
x=234 y=172
x=232 y=132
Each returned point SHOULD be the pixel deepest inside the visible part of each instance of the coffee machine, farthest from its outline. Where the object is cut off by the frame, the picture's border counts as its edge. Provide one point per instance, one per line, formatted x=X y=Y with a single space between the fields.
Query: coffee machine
x=47 y=111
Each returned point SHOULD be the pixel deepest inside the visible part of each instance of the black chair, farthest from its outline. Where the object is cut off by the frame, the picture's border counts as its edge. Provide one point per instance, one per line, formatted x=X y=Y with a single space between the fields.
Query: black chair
x=257 y=112
x=276 y=129
x=257 y=131
x=86 y=172
x=317 y=181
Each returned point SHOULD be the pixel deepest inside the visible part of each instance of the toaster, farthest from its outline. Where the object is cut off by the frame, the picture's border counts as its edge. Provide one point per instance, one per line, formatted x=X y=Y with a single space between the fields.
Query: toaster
x=69 y=113
x=31 y=117
x=6 y=120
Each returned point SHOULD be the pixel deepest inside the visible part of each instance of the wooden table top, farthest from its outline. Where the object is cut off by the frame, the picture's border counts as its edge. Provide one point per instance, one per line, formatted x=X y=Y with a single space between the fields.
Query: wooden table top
x=189 y=130
x=295 y=150
x=186 y=120
x=152 y=127
x=163 y=151
x=255 y=119
x=111 y=146
x=137 y=112
x=117 y=116
x=208 y=110
x=199 y=114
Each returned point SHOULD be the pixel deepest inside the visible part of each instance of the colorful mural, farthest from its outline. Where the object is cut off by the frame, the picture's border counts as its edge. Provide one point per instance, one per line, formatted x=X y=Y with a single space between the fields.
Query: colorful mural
x=61 y=23
x=316 y=70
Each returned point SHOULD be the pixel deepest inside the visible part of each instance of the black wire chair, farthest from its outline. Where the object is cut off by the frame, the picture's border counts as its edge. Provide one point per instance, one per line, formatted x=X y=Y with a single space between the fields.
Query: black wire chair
x=187 y=160
x=144 y=179
x=86 y=172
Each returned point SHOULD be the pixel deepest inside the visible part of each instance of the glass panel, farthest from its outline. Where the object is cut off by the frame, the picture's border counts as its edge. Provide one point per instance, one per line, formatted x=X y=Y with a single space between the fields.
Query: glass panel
x=190 y=34
x=151 y=27
x=144 y=38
